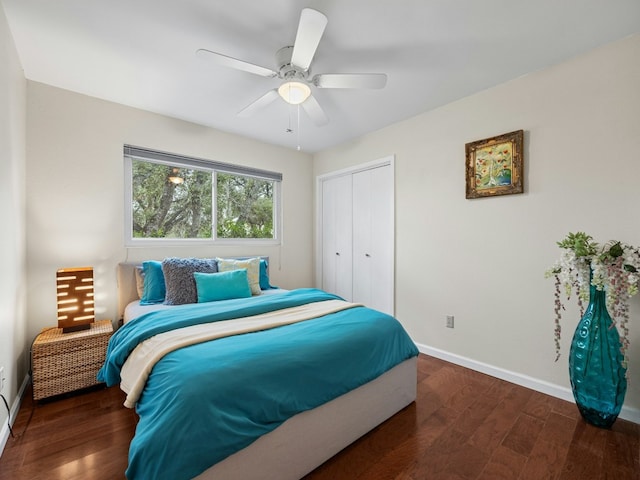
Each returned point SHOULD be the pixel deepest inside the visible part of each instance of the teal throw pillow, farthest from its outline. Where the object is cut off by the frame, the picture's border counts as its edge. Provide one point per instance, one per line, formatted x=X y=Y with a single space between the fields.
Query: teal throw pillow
x=154 y=287
x=264 y=277
x=212 y=287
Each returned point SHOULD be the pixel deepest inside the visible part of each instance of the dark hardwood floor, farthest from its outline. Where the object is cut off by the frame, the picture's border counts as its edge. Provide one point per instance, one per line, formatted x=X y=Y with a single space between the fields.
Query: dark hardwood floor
x=463 y=425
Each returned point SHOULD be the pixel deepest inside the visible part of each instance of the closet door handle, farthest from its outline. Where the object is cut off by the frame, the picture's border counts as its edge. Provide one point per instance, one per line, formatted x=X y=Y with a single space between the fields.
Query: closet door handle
x=367 y=255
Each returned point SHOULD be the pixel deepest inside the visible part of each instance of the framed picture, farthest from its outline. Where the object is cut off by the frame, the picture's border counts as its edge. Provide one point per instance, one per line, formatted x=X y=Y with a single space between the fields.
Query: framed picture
x=494 y=165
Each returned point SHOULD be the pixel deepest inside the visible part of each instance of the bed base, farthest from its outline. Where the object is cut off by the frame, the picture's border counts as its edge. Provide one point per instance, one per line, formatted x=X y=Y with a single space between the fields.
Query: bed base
x=310 y=438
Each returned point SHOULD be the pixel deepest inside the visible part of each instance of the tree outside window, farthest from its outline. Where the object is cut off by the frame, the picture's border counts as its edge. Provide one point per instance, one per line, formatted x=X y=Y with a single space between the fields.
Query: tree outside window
x=178 y=201
x=244 y=207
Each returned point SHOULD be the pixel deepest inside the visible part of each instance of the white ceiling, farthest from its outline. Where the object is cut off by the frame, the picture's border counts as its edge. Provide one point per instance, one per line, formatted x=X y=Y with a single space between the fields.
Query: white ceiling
x=142 y=53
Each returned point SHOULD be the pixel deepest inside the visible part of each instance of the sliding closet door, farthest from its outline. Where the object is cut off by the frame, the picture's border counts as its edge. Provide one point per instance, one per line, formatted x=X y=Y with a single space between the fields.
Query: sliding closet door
x=337 y=227
x=373 y=238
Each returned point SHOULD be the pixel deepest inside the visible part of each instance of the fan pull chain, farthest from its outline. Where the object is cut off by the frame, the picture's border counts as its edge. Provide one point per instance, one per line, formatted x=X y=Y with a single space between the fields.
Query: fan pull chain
x=289 y=129
x=298 y=129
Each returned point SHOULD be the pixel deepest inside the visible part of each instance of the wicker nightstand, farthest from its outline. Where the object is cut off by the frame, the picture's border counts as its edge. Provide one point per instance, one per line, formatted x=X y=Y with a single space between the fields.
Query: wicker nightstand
x=63 y=362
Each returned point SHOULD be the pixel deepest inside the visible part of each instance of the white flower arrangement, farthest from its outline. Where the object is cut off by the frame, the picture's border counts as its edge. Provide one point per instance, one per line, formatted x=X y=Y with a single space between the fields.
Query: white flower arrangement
x=614 y=268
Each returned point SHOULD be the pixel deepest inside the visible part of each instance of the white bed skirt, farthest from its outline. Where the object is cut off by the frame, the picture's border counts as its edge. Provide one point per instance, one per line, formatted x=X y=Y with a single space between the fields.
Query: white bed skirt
x=307 y=440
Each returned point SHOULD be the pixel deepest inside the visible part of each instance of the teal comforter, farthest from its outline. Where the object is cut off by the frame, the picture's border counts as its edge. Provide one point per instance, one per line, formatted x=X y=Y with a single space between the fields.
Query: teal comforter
x=205 y=402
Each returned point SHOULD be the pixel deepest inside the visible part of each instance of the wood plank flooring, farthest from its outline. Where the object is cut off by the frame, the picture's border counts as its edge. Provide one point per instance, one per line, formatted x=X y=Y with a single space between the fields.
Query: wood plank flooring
x=463 y=425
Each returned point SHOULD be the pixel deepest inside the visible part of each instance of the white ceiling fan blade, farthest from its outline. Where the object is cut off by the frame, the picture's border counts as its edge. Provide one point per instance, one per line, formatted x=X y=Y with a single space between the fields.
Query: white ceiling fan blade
x=260 y=103
x=231 y=62
x=315 y=111
x=350 y=80
x=310 y=30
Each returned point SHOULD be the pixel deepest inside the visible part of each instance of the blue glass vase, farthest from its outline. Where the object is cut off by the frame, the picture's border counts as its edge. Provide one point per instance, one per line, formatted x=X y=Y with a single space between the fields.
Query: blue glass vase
x=596 y=369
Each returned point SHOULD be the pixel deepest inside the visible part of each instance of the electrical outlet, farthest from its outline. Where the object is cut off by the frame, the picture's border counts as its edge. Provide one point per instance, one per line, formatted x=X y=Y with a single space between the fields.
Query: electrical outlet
x=1 y=379
x=449 y=321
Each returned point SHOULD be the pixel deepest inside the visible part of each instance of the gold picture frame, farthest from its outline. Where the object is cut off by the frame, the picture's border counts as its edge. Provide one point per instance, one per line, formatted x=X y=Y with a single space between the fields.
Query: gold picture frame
x=494 y=165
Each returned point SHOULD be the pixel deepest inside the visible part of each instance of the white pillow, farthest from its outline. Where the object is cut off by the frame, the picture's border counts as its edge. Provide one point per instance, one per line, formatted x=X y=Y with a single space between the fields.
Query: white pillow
x=253 y=270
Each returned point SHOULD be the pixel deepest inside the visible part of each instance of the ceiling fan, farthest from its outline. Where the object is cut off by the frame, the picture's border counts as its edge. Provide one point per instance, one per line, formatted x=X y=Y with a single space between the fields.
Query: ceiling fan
x=293 y=67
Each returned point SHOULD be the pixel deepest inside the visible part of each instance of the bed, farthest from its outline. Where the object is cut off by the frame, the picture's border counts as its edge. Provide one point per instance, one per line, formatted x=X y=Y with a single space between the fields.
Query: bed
x=334 y=371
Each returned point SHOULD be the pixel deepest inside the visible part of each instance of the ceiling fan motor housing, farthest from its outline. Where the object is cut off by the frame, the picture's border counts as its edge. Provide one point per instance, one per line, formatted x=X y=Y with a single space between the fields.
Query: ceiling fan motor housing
x=286 y=70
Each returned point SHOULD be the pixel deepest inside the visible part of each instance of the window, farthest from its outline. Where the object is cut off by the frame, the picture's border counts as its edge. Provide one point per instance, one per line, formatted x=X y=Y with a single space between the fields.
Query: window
x=176 y=199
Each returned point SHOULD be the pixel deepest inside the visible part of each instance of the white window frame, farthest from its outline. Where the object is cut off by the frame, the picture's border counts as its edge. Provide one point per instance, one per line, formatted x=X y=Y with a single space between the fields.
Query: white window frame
x=163 y=158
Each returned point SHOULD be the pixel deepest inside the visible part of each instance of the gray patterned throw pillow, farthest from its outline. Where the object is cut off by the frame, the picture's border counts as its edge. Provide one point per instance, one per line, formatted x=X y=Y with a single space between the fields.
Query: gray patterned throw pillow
x=178 y=277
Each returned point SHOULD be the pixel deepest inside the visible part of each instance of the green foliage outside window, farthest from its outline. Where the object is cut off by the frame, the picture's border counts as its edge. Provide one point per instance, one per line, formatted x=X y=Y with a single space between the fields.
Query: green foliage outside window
x=245 y=207
x=182 y=209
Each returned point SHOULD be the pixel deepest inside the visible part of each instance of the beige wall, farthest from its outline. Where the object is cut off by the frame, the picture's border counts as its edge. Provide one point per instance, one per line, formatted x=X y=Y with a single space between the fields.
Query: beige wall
x=13 y=343
x=75 y=212
x=483 y=260
x=480 y=260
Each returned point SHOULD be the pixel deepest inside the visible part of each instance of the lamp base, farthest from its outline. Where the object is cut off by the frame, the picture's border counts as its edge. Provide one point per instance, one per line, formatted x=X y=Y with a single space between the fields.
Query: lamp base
x=76 y=328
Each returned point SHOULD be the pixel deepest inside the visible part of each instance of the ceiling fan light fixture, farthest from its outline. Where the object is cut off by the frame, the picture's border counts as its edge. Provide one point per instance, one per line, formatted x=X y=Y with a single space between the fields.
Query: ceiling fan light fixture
x=294 y=92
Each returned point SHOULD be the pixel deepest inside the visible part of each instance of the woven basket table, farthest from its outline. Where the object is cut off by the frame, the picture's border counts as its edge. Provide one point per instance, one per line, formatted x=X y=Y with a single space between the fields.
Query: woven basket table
x=63 y=362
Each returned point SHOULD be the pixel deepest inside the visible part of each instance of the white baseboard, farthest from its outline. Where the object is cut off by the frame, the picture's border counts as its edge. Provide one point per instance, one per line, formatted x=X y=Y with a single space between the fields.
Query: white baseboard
x=627 y=413
x=13 y=412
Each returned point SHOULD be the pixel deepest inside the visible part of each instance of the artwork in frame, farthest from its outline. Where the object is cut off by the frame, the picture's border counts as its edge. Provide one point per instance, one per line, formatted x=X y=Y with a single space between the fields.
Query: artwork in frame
x=494 y=165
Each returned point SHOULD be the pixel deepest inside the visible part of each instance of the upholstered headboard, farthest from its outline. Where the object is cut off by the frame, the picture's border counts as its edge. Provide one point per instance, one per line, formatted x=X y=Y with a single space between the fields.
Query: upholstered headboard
x=127 y=292
x=126 y=278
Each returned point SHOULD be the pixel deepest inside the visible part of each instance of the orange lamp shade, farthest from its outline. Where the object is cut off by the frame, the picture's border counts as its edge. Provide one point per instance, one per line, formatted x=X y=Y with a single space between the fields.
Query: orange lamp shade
x=75 y=298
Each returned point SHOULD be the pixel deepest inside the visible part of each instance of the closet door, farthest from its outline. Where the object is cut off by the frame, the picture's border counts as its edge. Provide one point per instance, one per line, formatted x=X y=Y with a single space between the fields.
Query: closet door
x=373 y=238
x=337 y=236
